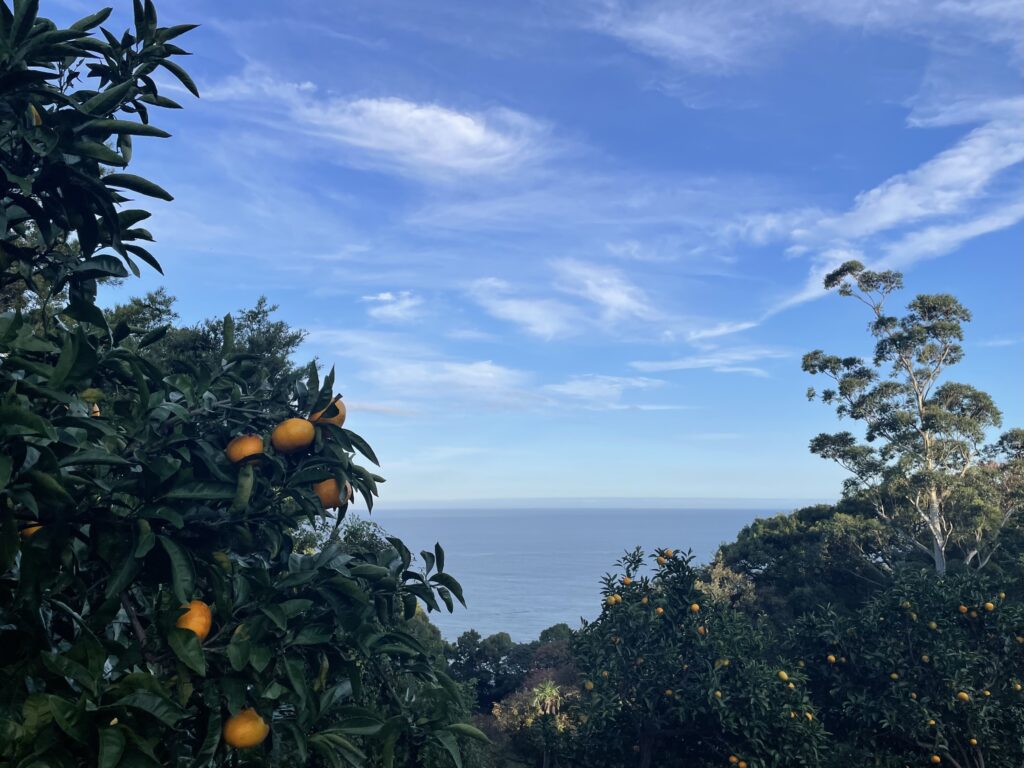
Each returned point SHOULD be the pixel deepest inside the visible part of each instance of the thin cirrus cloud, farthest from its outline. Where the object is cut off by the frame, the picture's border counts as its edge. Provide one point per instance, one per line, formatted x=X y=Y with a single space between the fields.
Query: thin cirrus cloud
x=395 y=134
x=613 y=293
x=545 y=318
x=600 y=392
x=731 y=35
x=734 y=360
x=399 y=373
x=928 y=211
x=402 y=306
x=605 y=288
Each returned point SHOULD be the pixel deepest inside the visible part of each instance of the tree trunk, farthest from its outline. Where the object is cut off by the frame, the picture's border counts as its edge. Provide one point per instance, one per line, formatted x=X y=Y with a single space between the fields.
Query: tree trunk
x=546 y=760
x=935 y=526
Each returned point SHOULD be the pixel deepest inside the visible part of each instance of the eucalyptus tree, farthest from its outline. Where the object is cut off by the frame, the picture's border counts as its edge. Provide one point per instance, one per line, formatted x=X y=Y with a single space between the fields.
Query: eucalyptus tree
x=924 y=453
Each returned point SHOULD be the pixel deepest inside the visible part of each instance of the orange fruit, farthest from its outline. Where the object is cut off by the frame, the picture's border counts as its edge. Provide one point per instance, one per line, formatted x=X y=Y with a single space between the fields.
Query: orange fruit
x=668 y=692
x=337 y=419
x=702 y=631
x=741 y=764
x=791 y=686
x=973 y=742
x=197 y=618
x=659 y=610
x=990 y=607
x=830 y=659
x=31 y=529
x=718 y=694
x=244 y=447
x=932 y=626
x=644 y=600
x=783 y=676
x=661 y=560
x=246 y=729
x=962 y=609
x=963 y=696
x=936 y=759
x=329 y=493
x=293 y=435
x=733 y=759
x=894 y=676
x=95 y=410
x=626 y=580
x=669 y=552
x=913 y=696
x=926 y=658
x=604 y=674
x=694 y=608
x=588 y=685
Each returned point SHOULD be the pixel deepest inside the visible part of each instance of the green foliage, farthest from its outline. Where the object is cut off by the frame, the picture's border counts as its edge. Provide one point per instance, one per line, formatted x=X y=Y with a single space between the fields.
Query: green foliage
x=816 y=555
x=890 y=698
x=118 y=505
x=924 y=440
x=675 y=679
x=183 y=348
x=56 y=159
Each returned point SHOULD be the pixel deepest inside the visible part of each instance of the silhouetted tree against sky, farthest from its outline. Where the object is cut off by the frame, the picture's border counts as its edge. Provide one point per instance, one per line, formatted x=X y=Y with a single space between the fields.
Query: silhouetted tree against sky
x=924 y=443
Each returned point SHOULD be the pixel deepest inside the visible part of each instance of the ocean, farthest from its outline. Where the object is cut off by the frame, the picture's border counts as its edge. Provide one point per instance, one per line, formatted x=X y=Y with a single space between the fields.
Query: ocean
x=525 y=570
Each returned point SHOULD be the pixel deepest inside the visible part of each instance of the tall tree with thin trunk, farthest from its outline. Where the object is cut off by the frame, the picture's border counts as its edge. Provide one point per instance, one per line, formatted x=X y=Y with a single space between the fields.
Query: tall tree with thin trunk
x=924 y=443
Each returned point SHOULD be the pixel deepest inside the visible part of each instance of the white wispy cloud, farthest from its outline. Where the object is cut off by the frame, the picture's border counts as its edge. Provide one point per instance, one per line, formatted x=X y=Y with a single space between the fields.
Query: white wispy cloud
x=944 y=185
x=721 y=329
x=546 y=318
x=391 y=133
x=730 y=360
x=719 y=35
x=600 y=392
x=397 y=307
x=928 y=211
x=939 y=240
x=1003 y=342
x=730 y=35
x=404 y=370
x=614 y=294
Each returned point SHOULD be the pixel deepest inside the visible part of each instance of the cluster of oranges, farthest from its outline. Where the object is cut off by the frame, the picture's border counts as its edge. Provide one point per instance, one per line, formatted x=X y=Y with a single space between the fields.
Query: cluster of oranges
x=246 y=728
x=291 y=436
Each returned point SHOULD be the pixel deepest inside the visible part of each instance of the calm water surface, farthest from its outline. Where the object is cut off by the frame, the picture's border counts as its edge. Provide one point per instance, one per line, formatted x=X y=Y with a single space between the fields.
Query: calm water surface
x=524 y=570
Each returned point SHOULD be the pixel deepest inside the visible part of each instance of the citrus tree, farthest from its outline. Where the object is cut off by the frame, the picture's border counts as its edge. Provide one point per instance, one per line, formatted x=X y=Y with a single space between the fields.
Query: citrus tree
x=927 y=672
x=154 y=610
x=673 y=678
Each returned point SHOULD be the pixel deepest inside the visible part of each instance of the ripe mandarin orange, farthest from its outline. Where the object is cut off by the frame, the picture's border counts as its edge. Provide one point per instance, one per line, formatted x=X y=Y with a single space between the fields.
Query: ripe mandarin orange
x=337 y=419
x=246 y=729
x=292 y=435
x=197 y=618
x=244 y=447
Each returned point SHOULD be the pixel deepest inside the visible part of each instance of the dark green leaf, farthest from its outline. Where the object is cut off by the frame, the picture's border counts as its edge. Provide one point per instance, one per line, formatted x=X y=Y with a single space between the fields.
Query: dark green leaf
x=183 y=575
x=136 y=184
x=186 y=646
x=151 y=703
x=181 y=74
x=112 y=744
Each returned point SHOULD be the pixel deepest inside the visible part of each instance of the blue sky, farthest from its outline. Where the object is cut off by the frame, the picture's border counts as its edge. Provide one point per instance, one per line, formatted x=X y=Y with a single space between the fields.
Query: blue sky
x=575 y=249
